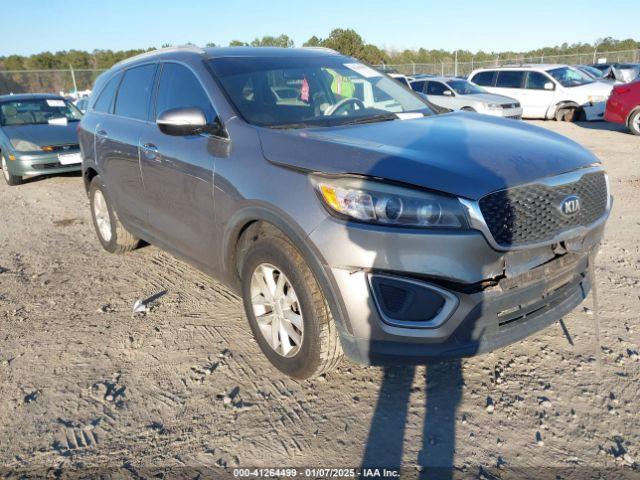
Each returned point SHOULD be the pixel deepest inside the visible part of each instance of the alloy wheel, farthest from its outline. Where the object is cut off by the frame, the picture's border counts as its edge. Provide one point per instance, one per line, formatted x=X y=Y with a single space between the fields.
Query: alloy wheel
x=277 y=310
x=101 y=213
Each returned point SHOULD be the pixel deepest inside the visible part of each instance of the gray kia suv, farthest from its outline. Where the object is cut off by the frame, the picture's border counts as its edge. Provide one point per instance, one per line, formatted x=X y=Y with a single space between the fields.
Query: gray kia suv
x=346 y=214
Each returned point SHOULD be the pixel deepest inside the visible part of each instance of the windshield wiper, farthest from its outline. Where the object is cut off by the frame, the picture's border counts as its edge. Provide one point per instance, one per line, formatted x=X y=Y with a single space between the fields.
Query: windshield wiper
x=286 y=126
x=382 y=117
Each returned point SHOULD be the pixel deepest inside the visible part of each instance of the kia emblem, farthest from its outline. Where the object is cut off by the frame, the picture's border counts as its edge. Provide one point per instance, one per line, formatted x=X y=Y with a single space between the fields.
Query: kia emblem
x=570 y=205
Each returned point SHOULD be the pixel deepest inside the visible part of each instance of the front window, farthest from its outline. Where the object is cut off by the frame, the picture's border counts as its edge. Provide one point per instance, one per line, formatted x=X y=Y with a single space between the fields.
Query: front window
x=463 y=87
x=323 y=91
x=570 y=77
x=37 y=111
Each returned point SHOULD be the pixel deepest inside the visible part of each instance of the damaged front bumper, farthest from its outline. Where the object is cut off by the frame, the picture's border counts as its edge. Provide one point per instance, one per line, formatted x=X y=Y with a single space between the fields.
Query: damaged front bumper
x=410 y=297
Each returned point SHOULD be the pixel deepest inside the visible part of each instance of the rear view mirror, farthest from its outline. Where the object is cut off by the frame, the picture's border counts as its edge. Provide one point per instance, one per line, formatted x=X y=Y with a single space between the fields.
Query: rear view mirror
x=549 y=86
x=182 y=121
x=448 y=93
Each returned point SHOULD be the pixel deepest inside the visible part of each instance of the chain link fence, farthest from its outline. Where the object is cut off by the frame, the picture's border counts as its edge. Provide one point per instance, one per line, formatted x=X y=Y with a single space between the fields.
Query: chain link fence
x=454 y=68
x=47 y=81
x=72 y=80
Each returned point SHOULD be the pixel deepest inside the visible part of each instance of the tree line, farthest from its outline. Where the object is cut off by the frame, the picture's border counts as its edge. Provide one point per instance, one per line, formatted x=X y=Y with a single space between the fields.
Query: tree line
x=346 y=41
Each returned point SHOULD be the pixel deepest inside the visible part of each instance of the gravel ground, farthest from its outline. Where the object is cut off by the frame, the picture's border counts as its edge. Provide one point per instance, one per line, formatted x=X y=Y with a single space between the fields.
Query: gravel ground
x=185 y=390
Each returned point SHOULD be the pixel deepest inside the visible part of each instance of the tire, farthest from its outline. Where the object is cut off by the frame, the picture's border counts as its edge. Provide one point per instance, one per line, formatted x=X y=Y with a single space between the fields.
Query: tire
x=468 y=109
x=113 y=236
x=565 y=114
x=12 y=180
x=318 y=350
x=634 y=122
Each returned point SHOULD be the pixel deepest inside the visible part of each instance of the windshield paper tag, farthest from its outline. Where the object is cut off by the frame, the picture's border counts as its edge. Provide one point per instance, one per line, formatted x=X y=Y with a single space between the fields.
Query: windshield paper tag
x=304 y=91
x=55 y=103
x=58 y=121
x=363 y=70
x=409 y=115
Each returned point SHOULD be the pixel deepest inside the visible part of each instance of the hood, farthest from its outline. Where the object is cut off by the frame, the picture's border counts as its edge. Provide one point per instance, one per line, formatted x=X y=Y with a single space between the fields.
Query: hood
x=489 y=98
x=43 y=134
x=594 y=88
x=464 y=154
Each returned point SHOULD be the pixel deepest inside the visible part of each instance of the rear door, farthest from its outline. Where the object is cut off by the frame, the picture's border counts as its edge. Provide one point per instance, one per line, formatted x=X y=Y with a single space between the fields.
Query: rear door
x=117 y=136
x=178 y=171
x=510 y=83
x=537 y=99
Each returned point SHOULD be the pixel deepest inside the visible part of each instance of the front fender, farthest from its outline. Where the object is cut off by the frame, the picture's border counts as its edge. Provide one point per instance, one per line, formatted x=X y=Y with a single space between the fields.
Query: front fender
x=279 y=219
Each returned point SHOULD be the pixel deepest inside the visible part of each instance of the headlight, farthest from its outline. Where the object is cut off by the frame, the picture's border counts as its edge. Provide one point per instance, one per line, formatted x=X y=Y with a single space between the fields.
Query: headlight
x=596 y=98
x=494 y=106
x=381 y=203
x=24 y=145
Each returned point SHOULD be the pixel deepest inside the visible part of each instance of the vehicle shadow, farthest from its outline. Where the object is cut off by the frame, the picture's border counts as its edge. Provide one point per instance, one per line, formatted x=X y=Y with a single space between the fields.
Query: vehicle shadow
x=41 y=178
x=602 y=125
x=444 y=382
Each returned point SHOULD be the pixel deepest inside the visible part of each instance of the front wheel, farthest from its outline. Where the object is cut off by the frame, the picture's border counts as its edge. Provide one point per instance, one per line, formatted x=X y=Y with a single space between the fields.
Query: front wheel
x=12 y=180
x=634 y=123
x=565 y=114
x=287 y=310
x=113 y=236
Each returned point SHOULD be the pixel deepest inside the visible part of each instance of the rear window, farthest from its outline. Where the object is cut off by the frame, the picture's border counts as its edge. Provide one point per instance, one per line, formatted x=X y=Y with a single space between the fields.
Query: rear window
x=484 y=79
x=105 y=100
x=134 y=93
x=509 y=79
x=418 y=86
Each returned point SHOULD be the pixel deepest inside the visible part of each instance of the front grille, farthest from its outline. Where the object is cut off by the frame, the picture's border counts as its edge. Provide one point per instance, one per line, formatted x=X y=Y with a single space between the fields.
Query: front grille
x=506 y=106
x=547 y=301
x=64 y=148
x=46 y=166
x=531 y=213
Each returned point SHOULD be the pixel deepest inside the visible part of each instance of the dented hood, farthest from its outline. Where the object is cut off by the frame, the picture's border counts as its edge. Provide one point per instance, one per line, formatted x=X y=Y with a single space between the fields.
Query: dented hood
x=464 y=154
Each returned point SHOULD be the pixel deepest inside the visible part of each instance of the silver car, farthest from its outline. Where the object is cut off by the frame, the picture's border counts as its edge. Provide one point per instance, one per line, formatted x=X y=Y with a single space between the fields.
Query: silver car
x=460 y=94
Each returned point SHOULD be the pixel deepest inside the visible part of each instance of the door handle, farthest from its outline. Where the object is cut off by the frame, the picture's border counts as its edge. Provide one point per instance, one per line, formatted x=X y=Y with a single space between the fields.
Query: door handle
x=150 y=151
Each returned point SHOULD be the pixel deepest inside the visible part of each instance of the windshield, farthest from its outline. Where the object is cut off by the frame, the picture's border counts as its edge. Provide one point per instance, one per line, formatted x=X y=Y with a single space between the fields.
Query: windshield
x=570 y=77
x=463 y=87
x=36 y=111
x=594 y=72
x=295 y=92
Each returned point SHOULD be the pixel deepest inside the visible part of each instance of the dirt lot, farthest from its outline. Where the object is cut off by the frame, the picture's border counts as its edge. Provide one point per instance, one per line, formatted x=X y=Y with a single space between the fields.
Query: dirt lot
x=185 y=389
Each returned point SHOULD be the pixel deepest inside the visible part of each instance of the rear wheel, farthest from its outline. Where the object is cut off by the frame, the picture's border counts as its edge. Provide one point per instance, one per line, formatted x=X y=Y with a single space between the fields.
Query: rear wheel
x=468 y=109
x=113 y=236
x=11 y=179
x=634 y=122
x=287 y=310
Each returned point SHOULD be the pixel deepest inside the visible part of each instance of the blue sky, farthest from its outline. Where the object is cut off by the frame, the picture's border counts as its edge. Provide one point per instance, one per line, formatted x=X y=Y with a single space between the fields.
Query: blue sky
x=31 y=26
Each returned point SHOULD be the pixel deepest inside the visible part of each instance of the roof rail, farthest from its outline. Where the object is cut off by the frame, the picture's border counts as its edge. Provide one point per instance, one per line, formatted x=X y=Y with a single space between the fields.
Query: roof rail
x=193 y=48
x=325 y=49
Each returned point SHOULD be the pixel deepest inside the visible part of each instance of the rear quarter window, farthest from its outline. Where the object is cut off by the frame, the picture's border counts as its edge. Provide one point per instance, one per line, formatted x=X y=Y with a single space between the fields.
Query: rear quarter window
x=105 y=98
x=484 y=79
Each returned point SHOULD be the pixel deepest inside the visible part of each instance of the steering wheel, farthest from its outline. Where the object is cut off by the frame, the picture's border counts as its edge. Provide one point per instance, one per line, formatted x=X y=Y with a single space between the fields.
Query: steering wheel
x=342 y=103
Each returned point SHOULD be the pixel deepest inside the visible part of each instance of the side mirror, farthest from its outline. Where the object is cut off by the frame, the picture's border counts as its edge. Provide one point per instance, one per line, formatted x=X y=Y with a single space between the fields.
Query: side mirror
x=549 y=86
x=448 y=93
x=182 y=121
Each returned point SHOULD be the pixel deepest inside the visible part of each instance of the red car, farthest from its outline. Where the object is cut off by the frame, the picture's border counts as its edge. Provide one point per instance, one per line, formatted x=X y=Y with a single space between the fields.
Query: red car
x=623 y=106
